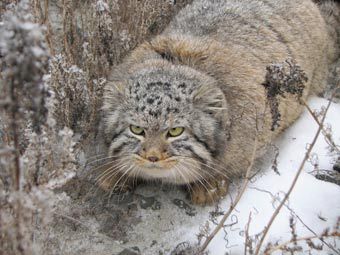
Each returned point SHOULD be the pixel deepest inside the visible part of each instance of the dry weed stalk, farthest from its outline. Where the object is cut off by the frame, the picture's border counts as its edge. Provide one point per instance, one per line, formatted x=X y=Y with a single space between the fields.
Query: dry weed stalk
x=23 y=64
x=285 y=245
x=278 y=209
x=296 y=216
x=37 y=155
x=248 y=244
x=233 y=204
x=326 y=134
x=42 y=14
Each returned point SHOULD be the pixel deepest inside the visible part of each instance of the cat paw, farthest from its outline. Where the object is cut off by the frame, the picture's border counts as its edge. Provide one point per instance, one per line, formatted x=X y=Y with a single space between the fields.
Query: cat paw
x=113 y=185
x=209 y=193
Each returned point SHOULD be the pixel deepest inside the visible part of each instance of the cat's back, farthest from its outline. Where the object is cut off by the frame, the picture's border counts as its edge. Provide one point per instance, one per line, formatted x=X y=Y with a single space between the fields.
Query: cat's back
x=231 y=19
x=263 y=31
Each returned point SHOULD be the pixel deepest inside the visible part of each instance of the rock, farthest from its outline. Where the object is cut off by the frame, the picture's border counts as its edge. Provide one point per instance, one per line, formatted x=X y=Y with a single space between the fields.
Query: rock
x=182 y=205
x=149 y=202
x=131 y=251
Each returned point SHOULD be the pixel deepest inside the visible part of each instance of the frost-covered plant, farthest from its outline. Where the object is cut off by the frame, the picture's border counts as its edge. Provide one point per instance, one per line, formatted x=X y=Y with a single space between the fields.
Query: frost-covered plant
x=71 y=94
x=76 y=94
x=49 y=160
x=21 y=213
x=25 y=61
x=45 y=103
x=35 y=156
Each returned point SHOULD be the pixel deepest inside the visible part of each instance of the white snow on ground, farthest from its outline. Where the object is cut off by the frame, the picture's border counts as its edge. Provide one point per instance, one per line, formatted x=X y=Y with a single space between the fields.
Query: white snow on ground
x=311 y=199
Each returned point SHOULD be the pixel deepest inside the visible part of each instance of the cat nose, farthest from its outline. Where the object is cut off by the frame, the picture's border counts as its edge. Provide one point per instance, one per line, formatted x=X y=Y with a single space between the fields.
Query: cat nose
x=153 y=158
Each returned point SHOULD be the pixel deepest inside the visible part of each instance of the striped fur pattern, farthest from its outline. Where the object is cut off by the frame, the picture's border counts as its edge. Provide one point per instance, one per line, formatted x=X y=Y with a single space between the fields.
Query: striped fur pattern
x=205 y=73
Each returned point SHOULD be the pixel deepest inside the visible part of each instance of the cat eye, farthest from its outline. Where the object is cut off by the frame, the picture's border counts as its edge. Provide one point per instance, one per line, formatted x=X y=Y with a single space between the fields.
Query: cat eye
x=137 y=130
x=177 y=131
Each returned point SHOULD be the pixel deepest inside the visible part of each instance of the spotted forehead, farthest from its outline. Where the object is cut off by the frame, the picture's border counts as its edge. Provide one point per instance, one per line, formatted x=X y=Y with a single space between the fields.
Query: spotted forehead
x=160 y=98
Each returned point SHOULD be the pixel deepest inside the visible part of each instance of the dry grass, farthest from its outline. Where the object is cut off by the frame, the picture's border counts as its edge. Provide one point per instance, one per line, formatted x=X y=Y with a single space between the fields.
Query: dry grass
x=84 y=40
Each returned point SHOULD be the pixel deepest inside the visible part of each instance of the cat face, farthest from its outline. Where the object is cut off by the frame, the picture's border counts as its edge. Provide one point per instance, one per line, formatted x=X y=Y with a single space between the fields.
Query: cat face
x=166 y=124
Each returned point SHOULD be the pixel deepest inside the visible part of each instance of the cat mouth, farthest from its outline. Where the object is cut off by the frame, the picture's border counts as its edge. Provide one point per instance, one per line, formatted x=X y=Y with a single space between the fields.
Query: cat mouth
x=163 y=164
x=169 y=170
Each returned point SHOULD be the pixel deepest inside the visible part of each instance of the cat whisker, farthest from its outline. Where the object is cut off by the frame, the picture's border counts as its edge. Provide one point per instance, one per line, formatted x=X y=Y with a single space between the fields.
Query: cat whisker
x=219 y=171
x=189 y=188
x=105 y=158
x=174 y=174
x=187 y=184
x=201 y=182
x=209 y=161
x=135 y=176
x=128 y=176
x=108 y=177
x=216 y=168
x=181 y=173
x=92 y=171
x=201 y=179
x=105 y=164
x=95 y=157
x=217 y=108
x=113 y=162
x=109 y=166
x=120 y=178
x=110 y=174
x=195 y=172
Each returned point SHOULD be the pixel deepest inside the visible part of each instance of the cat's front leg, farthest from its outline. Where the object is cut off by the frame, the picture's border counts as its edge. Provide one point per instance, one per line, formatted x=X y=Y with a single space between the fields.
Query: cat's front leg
x=114 y=181
x=206 y=193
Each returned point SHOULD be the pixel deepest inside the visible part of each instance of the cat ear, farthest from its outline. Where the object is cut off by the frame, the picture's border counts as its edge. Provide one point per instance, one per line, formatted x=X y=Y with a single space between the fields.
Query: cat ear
x=114 y=95
x=113 y=99
x=211 y=100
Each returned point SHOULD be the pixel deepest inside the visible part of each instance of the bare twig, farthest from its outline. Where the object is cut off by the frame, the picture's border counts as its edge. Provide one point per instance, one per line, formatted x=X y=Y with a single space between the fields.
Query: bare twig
x=233 y=205
x=278 y=209
x=49 y=33
x=283 y=245
x=247 y=242
x=14 y=126
x=329 y=139
x=299 y=218
x=43 y=16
